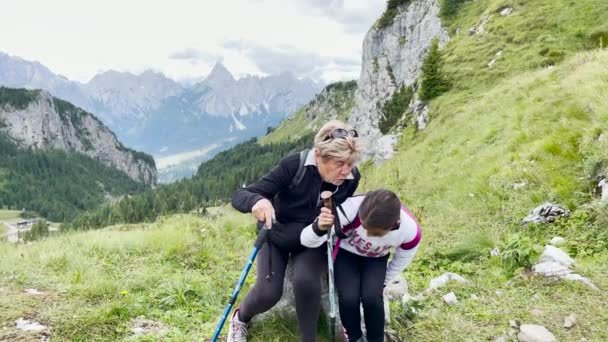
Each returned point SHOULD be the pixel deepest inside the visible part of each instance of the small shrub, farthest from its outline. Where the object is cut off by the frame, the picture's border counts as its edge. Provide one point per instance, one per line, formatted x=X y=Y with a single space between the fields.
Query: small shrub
x=394 y=108
x=518 y=252
x=391 y=12
x=39 y=230
x=449 y=8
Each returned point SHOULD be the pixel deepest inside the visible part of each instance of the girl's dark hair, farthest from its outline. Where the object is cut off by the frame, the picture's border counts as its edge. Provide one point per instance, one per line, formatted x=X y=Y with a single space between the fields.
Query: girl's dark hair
x=380 y=209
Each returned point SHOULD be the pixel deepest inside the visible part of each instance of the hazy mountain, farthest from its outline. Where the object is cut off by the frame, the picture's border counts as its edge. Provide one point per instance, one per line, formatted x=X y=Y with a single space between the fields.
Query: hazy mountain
x=158 y=115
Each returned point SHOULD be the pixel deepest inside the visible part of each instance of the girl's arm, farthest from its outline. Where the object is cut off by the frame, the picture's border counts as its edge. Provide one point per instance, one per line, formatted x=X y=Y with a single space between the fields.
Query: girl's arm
x=404 y=254
x=400 y=260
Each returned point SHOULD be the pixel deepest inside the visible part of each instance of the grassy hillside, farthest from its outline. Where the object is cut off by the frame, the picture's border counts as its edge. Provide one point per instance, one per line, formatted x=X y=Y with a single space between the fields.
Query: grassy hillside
x=336 y=101
x=460 y=174
x=179 y=270
x=502 y=141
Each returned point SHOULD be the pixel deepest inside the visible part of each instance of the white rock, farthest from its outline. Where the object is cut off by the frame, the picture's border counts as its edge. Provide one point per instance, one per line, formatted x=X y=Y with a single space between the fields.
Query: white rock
x=501 y=339
x=506 y=11
x=484 y=21
x=570 y=321
x=498 y=293
x=535 y=333
x=495 y=252
x=536 y=312
x=443 y=279
x=397 y=288
x=450 y=298
x=554 y=254
x=580 y=278
x=474 y=296
x=513 y=323
x=385 y=147
x=557 y=240
x=33 y=292
x=27 y=325
x=603 y=184
x=551 y=269
x=517 y=186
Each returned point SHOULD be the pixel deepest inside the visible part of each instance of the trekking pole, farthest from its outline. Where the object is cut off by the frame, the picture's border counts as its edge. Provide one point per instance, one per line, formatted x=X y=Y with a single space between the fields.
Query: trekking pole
x=256 y=248
x=327 y=203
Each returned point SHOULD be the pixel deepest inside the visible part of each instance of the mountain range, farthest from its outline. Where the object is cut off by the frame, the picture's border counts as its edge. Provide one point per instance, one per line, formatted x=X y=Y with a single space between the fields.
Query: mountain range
x=155 y=114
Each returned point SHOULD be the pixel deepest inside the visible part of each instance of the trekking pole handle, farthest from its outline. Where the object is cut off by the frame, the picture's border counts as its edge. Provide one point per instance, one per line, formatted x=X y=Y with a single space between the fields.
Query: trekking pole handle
x=326 y=197
x=262 y=236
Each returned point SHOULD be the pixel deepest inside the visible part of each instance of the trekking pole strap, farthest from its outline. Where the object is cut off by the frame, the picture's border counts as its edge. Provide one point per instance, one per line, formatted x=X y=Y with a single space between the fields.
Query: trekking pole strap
x=262 y=236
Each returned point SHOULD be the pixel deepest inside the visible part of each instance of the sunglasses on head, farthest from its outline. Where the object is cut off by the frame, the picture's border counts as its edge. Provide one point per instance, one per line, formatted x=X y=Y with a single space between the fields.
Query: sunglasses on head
x=342 y=133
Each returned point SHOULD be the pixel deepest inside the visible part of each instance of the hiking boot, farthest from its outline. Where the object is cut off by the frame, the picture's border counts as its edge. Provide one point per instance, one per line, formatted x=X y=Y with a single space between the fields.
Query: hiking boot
x=237 y=331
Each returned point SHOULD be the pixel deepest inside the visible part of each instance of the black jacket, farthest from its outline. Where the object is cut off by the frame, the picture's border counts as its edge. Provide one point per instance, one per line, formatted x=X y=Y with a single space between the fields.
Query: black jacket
x=294 y=209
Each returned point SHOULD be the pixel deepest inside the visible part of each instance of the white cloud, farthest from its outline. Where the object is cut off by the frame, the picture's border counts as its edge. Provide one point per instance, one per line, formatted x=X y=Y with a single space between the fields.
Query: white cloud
x=184 y=38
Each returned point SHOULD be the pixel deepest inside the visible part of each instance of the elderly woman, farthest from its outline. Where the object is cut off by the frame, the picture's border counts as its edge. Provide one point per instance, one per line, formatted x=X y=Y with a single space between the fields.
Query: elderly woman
x=287 y=207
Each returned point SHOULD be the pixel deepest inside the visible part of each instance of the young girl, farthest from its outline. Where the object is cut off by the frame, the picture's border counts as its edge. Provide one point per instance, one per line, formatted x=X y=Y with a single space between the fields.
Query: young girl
x=374 y=223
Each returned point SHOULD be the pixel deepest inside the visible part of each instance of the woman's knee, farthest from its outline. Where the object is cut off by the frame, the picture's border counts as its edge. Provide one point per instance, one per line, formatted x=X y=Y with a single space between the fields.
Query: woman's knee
x=270 y=293
x=307 y=284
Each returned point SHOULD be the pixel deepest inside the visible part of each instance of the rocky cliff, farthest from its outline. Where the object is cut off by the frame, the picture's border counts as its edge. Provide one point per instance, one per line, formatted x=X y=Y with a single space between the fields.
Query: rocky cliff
x=35 y=119
x=392 y=58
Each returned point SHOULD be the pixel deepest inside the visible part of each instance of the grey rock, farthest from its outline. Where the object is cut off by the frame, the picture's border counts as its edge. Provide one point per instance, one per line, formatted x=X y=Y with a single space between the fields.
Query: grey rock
x=570 y=321
x=546 y=213
x=554 y=254
x=557 y=240
x=29 y=325
x=536 y=312
x=396 y=289
x=603 y=185
x=506 y=11
x=443 y=279
x=484 y=21
x=535 y=333
x=450 y=298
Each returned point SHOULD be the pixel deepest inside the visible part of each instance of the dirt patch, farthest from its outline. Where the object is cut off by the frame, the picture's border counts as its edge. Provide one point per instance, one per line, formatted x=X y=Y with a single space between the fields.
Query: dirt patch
x=141 y=326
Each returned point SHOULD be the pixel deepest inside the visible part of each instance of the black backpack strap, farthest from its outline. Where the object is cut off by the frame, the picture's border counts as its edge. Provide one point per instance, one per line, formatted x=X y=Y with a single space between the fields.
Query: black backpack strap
x=301 y=170
x=338 y=226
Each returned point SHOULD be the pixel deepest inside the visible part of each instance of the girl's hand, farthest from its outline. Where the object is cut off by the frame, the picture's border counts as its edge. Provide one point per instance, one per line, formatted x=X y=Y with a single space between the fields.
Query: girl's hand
x=325 y=219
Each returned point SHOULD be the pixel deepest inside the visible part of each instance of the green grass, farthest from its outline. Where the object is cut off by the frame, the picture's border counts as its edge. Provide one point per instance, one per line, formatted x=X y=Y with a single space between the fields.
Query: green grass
x=9 y=214
x=458 y=176
x=172 y=271
x=3 y=229
x=538 y=33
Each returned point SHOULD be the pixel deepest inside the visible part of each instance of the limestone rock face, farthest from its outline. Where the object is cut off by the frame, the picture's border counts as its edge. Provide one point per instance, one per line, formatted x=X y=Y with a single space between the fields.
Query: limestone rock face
x=50 y=123
x=392 y=57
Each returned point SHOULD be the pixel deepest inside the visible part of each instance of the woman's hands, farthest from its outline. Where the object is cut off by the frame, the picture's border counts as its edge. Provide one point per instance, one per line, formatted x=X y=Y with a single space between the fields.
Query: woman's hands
x=264 y=211
x=325 y=219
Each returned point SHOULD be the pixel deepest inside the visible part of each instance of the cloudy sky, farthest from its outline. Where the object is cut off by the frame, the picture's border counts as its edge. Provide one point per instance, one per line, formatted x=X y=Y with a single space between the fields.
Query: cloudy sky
x=320 y=39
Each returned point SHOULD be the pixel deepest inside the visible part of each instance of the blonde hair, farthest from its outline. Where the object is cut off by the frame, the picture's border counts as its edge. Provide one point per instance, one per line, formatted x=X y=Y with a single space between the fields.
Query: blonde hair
x=347 y=149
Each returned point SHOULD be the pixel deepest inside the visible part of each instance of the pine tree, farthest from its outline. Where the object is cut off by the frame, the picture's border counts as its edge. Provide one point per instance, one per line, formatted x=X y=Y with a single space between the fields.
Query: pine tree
x=433 y=82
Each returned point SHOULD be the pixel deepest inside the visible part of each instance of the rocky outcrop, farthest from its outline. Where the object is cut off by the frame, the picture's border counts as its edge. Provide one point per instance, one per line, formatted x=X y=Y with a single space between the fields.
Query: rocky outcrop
x=392 y=57
x=44 y=122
